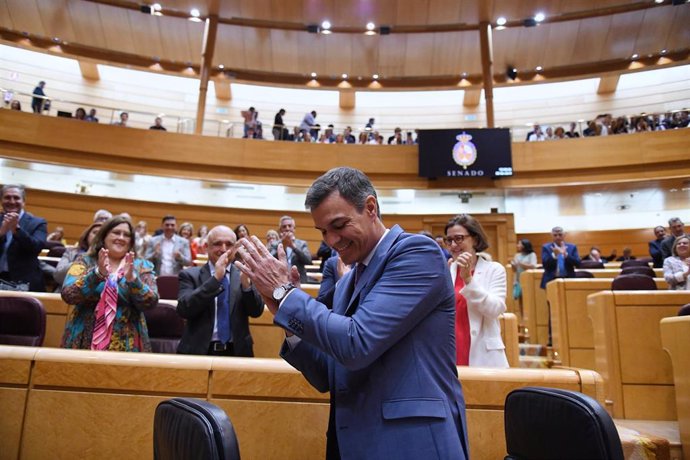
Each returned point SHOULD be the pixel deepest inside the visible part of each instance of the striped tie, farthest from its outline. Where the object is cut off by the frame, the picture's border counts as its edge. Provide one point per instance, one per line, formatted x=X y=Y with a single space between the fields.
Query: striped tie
x=105 y=315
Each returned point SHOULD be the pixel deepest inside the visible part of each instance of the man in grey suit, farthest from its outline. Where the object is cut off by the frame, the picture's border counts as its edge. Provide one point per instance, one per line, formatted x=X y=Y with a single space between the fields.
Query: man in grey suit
x=677 y=228
x=386 y=350
x=217 y=300
x=168 y=252
x=297 y=250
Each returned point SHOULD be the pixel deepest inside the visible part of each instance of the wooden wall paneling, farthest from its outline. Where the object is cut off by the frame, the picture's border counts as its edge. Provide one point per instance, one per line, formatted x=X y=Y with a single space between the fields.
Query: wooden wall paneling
x=258 y=49
x=469 y=60
x=364 y=55
x=146 y=33
x=622 y=26
x=561 y=43
x=675 y=337
x=412 y=13
x=390 y=48
x=446 y=54
x=195 y=34
x=176 y=45
x=25 y=15
x=678 y=31
x=337 y=55
x=418 y=61
x=312 y=50
x=285 y=51
x=450 y=11
x=86 y=22
x=56 y=18
x=116 y=28
x=591 y=35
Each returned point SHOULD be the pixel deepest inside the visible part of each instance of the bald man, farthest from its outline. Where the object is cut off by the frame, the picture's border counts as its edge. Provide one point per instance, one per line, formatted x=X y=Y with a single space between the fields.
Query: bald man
x=217 y=300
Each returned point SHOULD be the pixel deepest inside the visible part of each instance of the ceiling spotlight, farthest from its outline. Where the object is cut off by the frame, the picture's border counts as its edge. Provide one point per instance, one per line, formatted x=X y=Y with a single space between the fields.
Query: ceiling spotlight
x=221 y=66
x=634 y=56
x=463 y=75
x=664 y=51
x=326 y=27
x=658 y=1
x=371 y=29
x=56 y=39
x=313 y=75
x=511 y=73
x=194 y=12
x=501 y=21
x=156 y=7
x=375 y=76
x=539 y=68
x=539 y=17
x=344 y=76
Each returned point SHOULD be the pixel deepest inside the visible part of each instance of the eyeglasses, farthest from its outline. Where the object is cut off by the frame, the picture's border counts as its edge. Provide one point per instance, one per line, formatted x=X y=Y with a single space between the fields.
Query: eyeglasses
x=457 y=239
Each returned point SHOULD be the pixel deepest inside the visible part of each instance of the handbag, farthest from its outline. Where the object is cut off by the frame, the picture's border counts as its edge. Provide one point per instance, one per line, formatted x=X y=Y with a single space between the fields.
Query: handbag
x=517 y=291
x=12 y=286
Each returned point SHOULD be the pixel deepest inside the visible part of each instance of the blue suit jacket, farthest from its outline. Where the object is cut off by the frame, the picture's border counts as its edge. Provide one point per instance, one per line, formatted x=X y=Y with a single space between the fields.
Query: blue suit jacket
x=550 y=262
x=22 y=254
x=386 y=351
x=330 y=277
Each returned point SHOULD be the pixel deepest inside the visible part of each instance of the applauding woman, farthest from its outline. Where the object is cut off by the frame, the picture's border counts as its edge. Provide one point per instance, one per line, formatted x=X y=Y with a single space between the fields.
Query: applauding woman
x=109 y=288
x=480 y=293
x=677 y=267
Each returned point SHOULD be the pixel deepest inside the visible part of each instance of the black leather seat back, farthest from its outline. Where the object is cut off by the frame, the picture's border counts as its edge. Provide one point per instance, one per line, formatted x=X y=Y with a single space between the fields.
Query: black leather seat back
x=191 y=429
x=549 y=423
x=22 y=321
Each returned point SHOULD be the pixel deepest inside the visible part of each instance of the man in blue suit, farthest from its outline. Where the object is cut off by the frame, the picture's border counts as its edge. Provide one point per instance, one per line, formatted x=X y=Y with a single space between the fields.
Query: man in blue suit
x=558 y=258
x=22 y=236
x=386 y=350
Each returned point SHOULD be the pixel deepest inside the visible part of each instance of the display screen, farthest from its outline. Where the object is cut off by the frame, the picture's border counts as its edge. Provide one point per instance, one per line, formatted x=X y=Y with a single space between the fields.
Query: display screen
x=465 y=153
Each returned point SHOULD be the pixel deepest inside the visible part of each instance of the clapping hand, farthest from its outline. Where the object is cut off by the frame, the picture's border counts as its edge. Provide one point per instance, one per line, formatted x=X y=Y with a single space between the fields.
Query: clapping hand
x=464 y=260
x=9 y=223
x=103 y=263
x=130 y=273
x=265 y=271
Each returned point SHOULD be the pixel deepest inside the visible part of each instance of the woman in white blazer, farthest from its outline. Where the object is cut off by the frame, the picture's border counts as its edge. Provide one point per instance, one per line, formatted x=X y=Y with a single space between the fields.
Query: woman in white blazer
x=480 y=293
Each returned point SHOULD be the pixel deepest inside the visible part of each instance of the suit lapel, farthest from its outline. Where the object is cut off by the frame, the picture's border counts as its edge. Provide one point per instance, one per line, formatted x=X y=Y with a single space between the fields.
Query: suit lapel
x=380 y=256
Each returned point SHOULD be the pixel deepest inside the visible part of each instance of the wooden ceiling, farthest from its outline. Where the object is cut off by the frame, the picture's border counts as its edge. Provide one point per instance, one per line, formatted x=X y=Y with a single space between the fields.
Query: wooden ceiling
x=432 y=42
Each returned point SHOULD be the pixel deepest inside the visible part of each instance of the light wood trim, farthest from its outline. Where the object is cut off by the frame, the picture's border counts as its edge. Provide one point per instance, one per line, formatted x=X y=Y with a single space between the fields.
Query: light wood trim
x=675 y=337
x=509 y=335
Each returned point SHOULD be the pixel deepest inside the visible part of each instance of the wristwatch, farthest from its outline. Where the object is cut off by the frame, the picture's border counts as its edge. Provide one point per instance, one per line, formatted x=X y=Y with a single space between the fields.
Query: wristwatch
x=281 y=291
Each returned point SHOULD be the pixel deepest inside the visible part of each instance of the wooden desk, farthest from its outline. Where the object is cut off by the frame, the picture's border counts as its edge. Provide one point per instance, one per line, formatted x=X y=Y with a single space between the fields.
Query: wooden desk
x=63 y=403
x=637 y=372
x=675 y=338
x=571 y=326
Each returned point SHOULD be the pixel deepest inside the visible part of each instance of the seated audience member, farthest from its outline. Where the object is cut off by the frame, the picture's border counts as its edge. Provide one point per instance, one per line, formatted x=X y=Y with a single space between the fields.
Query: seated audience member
x=480 y=293
x=677 y=228
x=348 y=136
x=627 y=255
x=198 y=242
x=141 y=239
x=655 y=246
x=124 y=117
x=16 y=105
x=396 y=138
x=169 y=253
x=536 y=134
x=241 y=231
x=217 y=300
x=595 y=256
x=592 y=129
x=71 y=253
x=158 y=124
x=339 y=139
x=272 y=237
x=677 y=267
x=558 y=258
x=22 y=237
x=296 y=250
x=80 y=114
x=186 y=231
x=559 y=133
x=92 y=116
x=109 y=288
x=102 y=215
x=549 y=134
x=363 y=138
x=333 y=270
x=573 y=131
x=58 y=236
x=409 y=140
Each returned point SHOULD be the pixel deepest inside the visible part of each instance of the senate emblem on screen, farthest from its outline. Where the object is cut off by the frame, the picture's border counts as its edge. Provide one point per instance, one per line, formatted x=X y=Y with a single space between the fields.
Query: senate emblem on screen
x=464 y=151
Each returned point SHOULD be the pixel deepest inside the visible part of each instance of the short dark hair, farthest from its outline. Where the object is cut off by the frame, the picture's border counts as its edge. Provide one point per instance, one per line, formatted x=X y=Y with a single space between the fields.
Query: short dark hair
x=83 y=242
x=168 y=217
x=473 y=227
x=108 y=225
x=352 y=184
x=674 y=220
x=526 y=246
x=21 y=189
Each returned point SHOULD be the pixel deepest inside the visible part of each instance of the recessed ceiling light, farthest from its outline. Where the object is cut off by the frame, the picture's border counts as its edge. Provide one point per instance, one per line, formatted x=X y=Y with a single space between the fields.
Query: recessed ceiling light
x=635 y=56
x=344 y=76
x=221 y=66
x=539 y=68
x=194 y=12
x=658 y=1
x=664 y=51
x=464 y=75
x=156 y=7
x=375 y=76
x=501 y=21
x=539 y=17
x=313 y=75
x=326 y=24
x=371 y=26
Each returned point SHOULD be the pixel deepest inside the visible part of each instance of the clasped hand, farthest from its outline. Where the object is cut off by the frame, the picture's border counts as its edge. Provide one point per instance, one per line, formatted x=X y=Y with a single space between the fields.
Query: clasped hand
x=127 y=263
x=265 y=271
x=10 y=221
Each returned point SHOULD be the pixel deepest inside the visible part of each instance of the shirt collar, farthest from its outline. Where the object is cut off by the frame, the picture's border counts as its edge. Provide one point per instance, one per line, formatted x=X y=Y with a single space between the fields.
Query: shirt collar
x=370 y=256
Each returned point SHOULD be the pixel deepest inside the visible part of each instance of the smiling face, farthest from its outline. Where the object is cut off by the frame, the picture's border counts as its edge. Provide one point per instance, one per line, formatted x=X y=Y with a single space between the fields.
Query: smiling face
x=659 y=232
x=353 y=234
x=682 y=247
x=169 y=227
x=558 y=235
x=454 y=235
x=218 y=241
x=118 y=241
x=12 y=200
x=677 y=228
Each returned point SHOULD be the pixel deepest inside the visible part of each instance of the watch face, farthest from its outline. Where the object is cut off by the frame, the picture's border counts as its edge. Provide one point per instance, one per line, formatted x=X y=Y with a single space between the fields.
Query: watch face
x=278 y=292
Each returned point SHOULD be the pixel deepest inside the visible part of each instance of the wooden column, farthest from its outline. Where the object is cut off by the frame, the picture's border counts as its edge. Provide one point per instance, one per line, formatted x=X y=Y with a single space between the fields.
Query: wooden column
x=207 y=48
x=487 y=70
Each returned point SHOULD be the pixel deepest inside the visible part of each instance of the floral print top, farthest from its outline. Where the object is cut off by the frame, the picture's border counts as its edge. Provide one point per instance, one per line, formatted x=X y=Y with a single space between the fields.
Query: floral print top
x=82 y=289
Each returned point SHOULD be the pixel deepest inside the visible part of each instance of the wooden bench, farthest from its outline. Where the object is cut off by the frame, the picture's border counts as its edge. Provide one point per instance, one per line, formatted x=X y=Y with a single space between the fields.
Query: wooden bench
x=675 y=338
x=571 y=326
x=535 y=307
x=79 y=404
x=628 y=354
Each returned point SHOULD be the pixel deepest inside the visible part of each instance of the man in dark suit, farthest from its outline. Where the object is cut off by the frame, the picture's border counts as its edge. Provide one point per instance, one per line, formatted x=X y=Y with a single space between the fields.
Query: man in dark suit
x=297 y=250
x=386 y=350
x=655 y=246
x=22 y=236
x=677 y=228
x=558 y=258
x=217 y=301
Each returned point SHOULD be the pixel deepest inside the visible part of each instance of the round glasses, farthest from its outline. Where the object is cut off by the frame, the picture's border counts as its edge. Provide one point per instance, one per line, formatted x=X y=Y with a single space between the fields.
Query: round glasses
x=457 y=239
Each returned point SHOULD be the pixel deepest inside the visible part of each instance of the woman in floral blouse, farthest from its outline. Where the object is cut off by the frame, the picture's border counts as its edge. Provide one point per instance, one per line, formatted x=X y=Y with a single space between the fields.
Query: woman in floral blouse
x=109 y=289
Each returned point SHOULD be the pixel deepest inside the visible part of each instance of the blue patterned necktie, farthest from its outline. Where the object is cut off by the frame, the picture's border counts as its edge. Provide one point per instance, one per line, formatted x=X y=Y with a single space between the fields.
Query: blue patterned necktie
x=223 y=312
